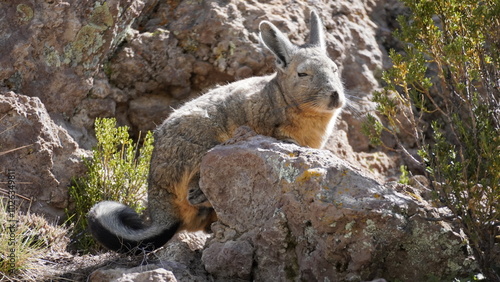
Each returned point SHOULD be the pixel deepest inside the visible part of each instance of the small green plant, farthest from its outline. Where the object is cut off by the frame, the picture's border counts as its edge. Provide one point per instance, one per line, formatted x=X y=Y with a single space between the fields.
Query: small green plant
x=404 y=178
x=444 y=91
x=117 y=171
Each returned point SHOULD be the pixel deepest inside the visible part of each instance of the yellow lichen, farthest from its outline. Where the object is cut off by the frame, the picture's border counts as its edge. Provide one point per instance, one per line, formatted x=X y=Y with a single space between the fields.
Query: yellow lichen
x=25 y=12
x=308 y=174
x=87 y=39
x=90 y=38
x=415 y=196
x=101 y=18
x=51 y=56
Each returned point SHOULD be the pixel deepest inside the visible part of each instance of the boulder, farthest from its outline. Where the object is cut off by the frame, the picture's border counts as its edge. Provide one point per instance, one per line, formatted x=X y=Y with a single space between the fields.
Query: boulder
x=52 y=49
x=288 y=213
x=40 y=155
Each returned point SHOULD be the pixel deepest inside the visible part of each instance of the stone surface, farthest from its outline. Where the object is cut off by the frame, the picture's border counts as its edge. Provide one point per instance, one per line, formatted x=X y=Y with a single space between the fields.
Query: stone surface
x=180 y=260
x=236 y=254
x=292 y=213
x=41 y=154
x=351 y=145
x=52 y=49
x=137 y=274
x=288 y=213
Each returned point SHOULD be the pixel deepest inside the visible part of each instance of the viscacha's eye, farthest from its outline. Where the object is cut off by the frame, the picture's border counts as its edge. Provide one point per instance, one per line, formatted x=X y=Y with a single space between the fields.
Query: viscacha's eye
x=302 y=74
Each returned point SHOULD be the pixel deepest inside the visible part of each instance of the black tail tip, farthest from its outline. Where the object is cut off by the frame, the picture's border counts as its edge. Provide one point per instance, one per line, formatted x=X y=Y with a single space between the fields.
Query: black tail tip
x=119 y=228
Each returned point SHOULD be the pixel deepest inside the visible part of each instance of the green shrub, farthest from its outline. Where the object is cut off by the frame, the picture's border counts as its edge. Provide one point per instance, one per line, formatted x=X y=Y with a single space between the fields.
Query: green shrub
x=443 y=90
x=117 y=171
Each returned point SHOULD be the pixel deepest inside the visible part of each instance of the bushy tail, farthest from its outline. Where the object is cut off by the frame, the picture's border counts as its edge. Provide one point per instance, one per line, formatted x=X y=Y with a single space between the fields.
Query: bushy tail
x=119 y=228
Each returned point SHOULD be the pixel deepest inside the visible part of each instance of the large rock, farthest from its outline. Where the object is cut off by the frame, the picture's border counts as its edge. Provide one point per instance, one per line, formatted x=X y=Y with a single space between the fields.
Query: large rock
x=288 y=213
x=40 y=154
x=52 y=49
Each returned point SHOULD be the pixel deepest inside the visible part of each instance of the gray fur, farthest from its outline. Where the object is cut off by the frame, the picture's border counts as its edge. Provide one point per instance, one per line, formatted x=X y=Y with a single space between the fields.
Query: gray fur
x=317 y=36
x=298 y=103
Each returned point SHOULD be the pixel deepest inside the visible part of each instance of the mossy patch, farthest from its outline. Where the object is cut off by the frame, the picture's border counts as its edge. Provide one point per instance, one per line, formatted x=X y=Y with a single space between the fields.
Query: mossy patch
x=88 y=40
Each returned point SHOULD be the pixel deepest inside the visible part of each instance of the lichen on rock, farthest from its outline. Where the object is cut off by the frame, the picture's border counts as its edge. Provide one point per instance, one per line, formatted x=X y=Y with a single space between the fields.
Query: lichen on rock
x=25 y=12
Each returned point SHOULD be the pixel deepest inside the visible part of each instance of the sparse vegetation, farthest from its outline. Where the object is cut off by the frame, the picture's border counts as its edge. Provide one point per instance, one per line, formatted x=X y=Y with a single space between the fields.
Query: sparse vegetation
x=443 y=90
x=25 y=241
x=117 y=170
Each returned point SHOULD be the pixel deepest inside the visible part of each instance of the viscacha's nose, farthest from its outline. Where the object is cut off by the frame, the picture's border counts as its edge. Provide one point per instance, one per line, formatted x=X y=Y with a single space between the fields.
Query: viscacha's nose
x=336 y=100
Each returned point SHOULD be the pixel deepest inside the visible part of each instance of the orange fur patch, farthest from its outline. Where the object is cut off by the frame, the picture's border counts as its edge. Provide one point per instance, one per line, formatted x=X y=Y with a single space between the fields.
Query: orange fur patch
x=307 y=127
x=192 y=219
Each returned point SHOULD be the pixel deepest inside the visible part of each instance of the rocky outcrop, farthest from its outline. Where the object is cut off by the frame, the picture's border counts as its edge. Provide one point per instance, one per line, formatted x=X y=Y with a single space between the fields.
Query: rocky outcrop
x=40 y=154
x=53 y=49
x=224 y=35
x=288 y=213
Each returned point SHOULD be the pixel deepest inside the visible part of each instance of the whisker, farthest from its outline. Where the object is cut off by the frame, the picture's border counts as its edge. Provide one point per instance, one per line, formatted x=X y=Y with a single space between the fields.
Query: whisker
x=351 y=97
x=355 y=93
x=356 y=112
x=358 y=107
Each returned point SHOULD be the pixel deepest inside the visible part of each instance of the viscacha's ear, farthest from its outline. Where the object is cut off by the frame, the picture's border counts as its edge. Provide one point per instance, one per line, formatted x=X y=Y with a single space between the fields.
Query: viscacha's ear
x=277 y=43
x=317 y=35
